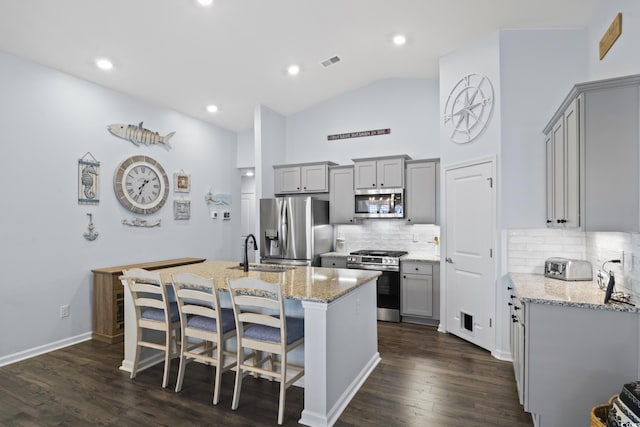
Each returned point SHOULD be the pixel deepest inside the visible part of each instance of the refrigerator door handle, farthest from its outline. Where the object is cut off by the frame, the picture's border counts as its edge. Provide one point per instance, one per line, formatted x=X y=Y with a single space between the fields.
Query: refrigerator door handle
x=284 y=229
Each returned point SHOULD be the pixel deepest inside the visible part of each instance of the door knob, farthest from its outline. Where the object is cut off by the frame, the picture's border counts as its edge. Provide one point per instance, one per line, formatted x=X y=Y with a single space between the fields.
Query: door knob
x=449 y=260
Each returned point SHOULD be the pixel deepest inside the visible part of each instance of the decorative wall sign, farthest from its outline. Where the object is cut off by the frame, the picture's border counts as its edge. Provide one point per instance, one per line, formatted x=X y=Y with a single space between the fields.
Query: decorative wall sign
x=88 y=184
x=139 y=135
x=222 y=199
x=181 y=182
x=610 y=37
x=90 y=235
x=139 y=222
x=359 y=134
x=468 y=108
x=181 y=209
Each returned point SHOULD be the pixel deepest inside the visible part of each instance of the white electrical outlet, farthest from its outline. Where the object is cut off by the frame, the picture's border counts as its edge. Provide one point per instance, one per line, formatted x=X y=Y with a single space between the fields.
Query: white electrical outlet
x=64 y=311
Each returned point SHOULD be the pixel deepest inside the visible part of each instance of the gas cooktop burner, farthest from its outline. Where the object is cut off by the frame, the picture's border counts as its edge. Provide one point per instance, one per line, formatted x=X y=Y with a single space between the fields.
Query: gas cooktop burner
x=367 y=252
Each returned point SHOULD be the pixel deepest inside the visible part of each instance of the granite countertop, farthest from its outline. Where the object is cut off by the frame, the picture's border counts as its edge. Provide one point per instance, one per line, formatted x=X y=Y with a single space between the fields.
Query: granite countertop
x=421 y=257
x=536 y=288
x=299 y=283
x=334 y=254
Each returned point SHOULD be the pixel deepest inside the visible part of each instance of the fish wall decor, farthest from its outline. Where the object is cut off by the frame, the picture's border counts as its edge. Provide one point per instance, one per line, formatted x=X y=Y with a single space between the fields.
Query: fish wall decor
x=139 y=135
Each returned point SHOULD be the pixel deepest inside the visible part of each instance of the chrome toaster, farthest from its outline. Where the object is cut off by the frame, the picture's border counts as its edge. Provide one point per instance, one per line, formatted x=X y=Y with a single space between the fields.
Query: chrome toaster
x=568 y=269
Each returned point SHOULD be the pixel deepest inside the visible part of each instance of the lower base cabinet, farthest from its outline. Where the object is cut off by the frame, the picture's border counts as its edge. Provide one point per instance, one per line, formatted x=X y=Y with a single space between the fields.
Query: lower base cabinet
x=333 y=261
x=420 y=292
x=569 y=359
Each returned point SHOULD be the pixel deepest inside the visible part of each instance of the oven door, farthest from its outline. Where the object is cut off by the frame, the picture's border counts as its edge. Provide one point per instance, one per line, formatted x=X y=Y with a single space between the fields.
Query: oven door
x=388 y=296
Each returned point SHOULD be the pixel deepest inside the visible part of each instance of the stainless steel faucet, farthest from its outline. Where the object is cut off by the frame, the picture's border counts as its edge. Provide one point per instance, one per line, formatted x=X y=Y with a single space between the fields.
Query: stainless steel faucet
x=245 y=261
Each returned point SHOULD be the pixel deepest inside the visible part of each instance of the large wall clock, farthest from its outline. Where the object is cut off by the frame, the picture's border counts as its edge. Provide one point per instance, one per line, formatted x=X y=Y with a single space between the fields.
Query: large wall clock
x=141 y=184
x=468 y=108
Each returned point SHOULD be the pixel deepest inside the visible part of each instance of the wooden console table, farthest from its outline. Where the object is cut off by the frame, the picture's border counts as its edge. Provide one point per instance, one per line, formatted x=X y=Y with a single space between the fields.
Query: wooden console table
x=108 y=297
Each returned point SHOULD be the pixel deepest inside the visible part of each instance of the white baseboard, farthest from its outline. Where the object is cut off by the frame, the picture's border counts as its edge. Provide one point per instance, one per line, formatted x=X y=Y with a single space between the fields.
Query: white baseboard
x=502 y=355
x=37 y=351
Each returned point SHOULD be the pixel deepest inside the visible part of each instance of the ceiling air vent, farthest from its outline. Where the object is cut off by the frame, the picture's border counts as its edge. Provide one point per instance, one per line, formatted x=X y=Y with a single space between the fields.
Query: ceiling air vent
x=330 y=61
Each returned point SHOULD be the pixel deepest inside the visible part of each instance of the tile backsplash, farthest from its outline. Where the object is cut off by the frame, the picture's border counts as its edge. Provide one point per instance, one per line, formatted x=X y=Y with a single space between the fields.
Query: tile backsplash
x=528 y=249
x=388 y=234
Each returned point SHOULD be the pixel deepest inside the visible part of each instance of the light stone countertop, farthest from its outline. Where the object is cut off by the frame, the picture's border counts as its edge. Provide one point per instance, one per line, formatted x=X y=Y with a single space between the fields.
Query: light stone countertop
x=421 y=257
x=536 y=288
x=299 y=283
x=334 y=254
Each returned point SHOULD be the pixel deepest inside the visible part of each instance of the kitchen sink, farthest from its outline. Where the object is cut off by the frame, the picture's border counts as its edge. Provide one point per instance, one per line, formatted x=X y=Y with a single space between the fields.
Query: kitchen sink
x=269 y=268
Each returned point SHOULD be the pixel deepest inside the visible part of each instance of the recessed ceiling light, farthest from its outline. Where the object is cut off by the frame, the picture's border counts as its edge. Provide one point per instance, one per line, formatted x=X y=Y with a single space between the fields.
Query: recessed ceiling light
x=205 y=2
x=249 y=173
x=399 y=40
x=104 y=64
x=212 y=108
x=293 y=70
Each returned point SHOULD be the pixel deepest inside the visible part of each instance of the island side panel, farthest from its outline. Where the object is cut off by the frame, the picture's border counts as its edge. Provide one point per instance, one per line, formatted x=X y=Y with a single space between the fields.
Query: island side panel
x=341 y=351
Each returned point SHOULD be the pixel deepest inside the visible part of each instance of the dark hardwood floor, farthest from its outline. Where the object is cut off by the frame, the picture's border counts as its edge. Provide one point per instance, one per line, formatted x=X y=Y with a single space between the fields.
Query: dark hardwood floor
x=425 y=379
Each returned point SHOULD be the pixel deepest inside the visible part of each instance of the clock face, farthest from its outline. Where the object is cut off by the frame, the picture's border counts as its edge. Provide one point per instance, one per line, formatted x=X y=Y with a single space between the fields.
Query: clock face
x=141 y=185
x=468 y=108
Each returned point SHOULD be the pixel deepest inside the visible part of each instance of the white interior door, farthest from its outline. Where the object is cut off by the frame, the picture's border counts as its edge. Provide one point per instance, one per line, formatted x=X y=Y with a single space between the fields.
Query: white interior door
x=469 y=259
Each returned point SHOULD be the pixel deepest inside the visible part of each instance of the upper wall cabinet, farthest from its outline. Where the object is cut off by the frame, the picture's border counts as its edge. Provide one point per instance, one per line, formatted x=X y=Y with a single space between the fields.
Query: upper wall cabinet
x=422 y=191
x=341 y=195
x=593 y=146
x=563 y=172
x=379 y=173
x=301 y=178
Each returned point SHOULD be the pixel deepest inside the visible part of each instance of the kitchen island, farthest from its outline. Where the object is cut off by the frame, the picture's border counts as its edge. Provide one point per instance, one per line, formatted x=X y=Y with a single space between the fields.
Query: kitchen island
x=341 y=338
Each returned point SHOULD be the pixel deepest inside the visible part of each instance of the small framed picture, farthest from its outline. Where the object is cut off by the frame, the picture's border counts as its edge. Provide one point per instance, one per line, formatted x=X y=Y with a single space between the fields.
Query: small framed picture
x=88 y=180
x=181 y=209
x=181 y=182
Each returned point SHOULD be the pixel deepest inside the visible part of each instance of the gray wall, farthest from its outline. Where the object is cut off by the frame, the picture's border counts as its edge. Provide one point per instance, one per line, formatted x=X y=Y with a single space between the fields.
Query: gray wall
x=49 y=120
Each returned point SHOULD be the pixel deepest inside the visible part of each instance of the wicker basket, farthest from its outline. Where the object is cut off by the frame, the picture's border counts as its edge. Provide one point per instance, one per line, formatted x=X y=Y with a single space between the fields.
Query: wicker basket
x=600 y=413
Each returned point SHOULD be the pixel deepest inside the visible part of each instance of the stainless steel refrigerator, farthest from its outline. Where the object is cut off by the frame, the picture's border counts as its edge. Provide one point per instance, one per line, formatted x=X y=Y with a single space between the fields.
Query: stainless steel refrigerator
x=294 y=230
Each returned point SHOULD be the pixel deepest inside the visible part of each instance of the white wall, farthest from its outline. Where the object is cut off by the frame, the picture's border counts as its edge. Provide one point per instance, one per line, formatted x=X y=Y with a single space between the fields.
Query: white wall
x=409 y=107
x=622 y=59
x=537 y=70
x=483 y=57
x=49 y=120
x=531 y=71
x=245 y=149
x=270 y=148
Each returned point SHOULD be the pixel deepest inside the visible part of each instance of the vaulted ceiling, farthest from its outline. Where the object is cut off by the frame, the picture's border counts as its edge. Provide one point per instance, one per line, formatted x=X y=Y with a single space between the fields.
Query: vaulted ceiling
x=235 y=53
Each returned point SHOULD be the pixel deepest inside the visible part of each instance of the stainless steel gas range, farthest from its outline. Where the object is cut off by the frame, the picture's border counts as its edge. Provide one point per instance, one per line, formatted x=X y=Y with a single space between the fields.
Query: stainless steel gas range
x=388 y=287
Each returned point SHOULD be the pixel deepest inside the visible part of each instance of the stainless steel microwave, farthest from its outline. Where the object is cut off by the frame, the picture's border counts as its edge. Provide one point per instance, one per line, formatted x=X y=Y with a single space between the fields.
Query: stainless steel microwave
x=379 y=203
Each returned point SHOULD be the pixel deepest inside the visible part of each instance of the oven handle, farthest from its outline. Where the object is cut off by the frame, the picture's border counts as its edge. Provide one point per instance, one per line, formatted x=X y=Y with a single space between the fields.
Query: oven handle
x=393 y=269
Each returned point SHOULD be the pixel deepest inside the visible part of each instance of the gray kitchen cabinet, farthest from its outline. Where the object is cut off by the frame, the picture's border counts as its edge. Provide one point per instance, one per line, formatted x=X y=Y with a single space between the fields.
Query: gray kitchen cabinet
x=567 y=359
x=421 y=191
x=517 y=330
x=379 y=173
x=563 y=174
x=341 y=201
x=333 y=261
x=420 y=292
x=592 y=175
x=301 y=178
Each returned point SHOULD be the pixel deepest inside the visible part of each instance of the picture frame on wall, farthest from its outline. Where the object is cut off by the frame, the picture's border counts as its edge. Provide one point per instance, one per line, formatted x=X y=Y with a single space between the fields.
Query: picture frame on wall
x=88 y=180
x=181 y=182
x=181 y=209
